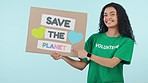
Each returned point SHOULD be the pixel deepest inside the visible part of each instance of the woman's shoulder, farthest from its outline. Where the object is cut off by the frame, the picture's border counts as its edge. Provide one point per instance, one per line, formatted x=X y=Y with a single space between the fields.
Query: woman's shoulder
x=97 y=34
x=127 y=40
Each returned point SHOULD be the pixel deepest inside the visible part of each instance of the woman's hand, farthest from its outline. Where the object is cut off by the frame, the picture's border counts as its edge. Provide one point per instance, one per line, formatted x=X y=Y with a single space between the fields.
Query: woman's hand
x=82 y=54
x=79 y=64
x=56 y=55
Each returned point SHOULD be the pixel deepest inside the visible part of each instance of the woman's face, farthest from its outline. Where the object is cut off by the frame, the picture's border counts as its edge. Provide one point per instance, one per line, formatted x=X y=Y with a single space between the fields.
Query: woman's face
x=110 y=17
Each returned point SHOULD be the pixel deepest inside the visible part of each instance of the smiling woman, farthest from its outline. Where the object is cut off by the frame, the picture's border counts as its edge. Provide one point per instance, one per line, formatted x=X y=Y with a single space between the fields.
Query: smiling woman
x=108 y=50
x=110 y=17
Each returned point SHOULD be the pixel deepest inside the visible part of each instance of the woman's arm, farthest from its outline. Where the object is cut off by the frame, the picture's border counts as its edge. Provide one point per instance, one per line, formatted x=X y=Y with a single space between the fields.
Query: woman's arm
x=108 y=62
x=79 y=64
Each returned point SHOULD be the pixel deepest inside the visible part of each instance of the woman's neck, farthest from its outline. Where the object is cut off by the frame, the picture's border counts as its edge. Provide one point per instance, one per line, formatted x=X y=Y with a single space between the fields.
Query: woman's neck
x=112 y=32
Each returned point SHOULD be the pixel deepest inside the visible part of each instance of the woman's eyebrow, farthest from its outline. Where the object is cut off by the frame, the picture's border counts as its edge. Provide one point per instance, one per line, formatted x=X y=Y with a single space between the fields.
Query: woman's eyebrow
x=112 y=12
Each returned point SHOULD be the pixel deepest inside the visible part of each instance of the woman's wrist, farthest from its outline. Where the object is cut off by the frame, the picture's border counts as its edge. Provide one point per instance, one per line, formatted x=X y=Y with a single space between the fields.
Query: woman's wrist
x=89 y=56
x=64 y=57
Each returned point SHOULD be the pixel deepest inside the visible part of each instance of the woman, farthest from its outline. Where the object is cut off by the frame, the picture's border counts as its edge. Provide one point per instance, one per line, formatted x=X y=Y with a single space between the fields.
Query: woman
x=107 y=51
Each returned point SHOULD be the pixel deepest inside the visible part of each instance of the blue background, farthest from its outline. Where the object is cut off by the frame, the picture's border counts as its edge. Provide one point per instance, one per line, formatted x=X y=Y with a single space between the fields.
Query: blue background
x=18 y=66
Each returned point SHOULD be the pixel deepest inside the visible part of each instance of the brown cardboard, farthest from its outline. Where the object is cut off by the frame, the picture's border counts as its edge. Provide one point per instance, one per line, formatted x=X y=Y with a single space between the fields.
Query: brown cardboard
x=35 y=22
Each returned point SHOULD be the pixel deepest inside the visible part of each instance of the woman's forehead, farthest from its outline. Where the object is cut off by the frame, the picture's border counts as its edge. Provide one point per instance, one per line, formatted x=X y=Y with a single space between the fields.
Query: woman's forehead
x=110 y=10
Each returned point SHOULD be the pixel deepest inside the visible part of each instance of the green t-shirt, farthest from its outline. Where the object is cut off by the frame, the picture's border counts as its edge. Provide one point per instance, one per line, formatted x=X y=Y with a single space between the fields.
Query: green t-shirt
x=101 y=45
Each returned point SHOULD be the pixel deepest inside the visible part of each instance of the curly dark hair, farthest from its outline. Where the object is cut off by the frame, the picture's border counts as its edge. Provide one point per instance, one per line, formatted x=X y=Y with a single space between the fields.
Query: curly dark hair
x=124 y=25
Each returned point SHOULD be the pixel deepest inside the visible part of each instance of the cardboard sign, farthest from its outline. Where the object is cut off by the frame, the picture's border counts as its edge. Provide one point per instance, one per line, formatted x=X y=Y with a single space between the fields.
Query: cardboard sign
x=56 y=30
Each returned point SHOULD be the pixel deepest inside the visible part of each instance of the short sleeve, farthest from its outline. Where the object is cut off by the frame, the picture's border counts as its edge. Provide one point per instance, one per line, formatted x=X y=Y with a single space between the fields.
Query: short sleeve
x=85 y=60
x=88 y=44
x=125 y=51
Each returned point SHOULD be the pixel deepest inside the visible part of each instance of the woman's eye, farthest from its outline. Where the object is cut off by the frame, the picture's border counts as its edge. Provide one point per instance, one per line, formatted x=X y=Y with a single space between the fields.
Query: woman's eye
x=112 y=14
